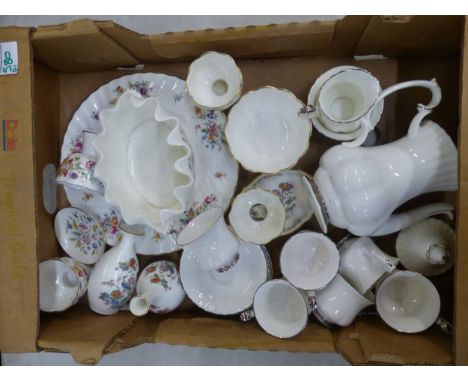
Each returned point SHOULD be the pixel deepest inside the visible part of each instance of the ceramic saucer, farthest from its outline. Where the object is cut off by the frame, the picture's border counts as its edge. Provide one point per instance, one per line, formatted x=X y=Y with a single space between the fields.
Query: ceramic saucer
x=80 y=235
x=226 y=291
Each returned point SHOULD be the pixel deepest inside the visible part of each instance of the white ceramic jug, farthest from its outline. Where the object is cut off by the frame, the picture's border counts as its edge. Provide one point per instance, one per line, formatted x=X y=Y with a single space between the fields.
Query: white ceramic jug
x=358 y=188
x=114 y=276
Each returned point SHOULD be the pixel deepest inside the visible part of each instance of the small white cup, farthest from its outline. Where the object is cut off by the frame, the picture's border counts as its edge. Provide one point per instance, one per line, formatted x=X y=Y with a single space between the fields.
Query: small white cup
x=349 y=103
x=208 y=236
x=214 y=81
x=62 y=282
x=408 y=302
x=309 y=260
x=280 y=308
x=362 y=263
x=339 y=303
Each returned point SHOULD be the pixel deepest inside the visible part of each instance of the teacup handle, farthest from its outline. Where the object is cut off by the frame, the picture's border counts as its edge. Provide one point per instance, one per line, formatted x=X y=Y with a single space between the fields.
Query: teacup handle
x=389 y=266
x=247 y=315
x=423 y=110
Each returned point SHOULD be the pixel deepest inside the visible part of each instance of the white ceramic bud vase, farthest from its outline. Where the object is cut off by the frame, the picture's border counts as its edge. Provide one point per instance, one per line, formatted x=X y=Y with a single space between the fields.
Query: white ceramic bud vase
x=114 y=276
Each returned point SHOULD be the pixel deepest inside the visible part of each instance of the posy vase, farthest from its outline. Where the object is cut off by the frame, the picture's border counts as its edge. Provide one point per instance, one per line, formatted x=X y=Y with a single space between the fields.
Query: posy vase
x=359 y=188
x=113 y=279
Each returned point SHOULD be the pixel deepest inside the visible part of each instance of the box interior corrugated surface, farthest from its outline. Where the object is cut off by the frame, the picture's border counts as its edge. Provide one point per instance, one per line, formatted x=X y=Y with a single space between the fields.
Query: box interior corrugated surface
x=61 y=65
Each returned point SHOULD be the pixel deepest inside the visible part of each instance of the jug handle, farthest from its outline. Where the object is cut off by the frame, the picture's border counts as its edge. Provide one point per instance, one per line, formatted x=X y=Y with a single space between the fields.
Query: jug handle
x=423 y=110
x=397 y=222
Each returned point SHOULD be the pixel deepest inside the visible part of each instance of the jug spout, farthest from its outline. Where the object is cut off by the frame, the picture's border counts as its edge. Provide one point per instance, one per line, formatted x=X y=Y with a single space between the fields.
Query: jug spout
x=400 y=221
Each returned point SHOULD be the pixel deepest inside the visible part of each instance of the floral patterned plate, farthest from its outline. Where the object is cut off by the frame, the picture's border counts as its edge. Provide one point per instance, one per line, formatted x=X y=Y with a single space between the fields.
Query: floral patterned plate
x=80 y=235
x=215 y=169
x=292 y=191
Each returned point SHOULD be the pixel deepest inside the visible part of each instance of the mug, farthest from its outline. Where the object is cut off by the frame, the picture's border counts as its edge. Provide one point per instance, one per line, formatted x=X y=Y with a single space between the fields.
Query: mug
x=339 y=303
x=408 y=302
x=77 y=169
x=62 y=282
x=309 y=260
x=208 y=236
x=281 y=309
x=362 y=263
x=349 y=103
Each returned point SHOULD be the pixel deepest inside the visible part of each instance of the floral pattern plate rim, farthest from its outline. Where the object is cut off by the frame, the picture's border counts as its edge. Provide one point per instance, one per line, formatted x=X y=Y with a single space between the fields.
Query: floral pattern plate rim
x=80 y=235
x=216 y=171
x=290 y=188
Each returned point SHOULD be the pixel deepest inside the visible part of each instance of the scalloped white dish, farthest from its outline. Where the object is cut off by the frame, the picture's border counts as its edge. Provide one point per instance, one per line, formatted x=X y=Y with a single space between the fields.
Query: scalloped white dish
x=143 y=161
x=216 y=171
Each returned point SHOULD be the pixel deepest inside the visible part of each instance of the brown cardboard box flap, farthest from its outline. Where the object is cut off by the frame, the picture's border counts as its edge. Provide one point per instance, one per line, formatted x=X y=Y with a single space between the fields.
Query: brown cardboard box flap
x=18 y=270
x=79 y=46
x=82 y=333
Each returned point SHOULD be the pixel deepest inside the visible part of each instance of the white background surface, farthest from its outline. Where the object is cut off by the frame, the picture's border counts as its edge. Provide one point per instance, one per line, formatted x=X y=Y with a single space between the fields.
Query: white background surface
x=159 y=354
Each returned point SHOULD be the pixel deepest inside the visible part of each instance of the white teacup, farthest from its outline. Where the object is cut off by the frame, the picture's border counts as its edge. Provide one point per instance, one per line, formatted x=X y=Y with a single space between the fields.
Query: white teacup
x=214 y=81
x=62 y=282
x=362 y=263
x=281 y=309
x=309 y=260
x=210 y=239
x=408 y=302
x=339 y=303
x=346 y=103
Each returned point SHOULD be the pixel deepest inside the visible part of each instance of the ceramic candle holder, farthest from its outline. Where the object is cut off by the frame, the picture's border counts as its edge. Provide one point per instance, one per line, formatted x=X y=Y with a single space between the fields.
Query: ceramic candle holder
x=62 y=282
x=228 y=290
x=408 y=302
x=80 y=235
x=257 y=216
x=208 y=237
x=77 y=169
x=309 y=260
x=214 y=81
x=265 y=133
x=339 y=303
x=427 y=247
x=113 y=279
x=363 y=264
x=158 y=289
x=281 y=309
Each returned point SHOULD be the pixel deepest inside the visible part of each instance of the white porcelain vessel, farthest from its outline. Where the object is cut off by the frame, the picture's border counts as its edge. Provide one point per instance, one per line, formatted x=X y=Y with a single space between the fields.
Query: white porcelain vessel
x=80 y=235
x=158 y=289
x=289 y=186
x=257 y=216
x=363 y=264
x=408 y=302
x=228 y=290
x=427 y=247
x=309 y=260
x=214 y=81
x=339 y=303
x=346 y=102
x=359 y=188
x=264 y=131
x=77 y=169
x=114 y=277
x=140 y=144
x=62 y=282
x=281 y=309
x=216 y=169
x=209 y=239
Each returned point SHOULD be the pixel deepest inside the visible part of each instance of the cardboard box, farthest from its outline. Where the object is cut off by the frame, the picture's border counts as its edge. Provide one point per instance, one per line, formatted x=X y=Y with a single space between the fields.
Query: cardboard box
x=59 y=66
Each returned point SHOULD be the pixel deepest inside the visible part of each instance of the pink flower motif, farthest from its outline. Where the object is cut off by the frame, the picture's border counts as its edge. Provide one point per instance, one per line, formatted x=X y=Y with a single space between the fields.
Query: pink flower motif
x=197 y=126
x=78 y=146
x=83 y=226
x=86 y=239
x=210 y=199
x=113 y=230
x=90 y=164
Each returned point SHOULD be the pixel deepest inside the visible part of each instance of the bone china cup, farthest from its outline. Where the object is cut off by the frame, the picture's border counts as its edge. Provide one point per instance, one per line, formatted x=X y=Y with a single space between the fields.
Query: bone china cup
x=265 y=132
x=408 y=302
x=214 y=81
x=209 y=238
x=62 y=282
x=309 y=260
x=339 y=303
x=281 y=309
